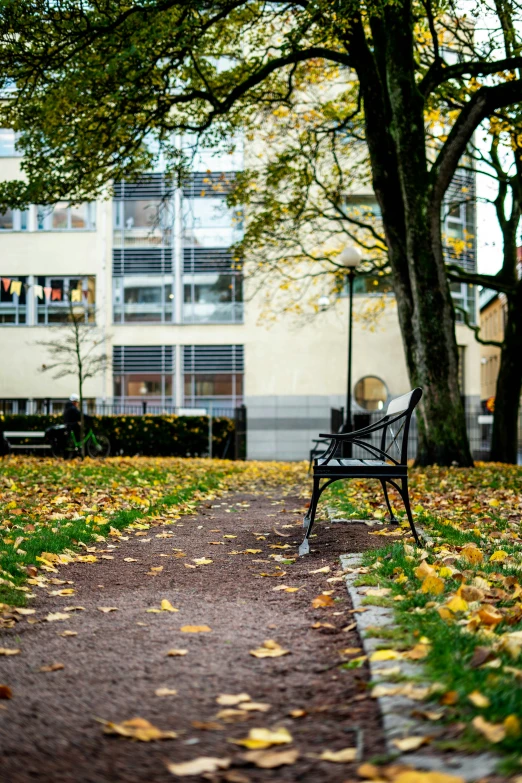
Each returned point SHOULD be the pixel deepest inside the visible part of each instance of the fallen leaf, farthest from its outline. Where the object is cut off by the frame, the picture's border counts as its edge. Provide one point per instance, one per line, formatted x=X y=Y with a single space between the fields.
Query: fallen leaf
x=350 y=651
x=415 y=776
x=512 y=726
x=490 y=616
x=107 y=609
x=197 y=766
x=255 y=706
x=472 y=554
x=138 y=729
x=410 y=743
x=286 y=589
x=433 y=584
x=450 y=697
x=499 y=555
x=322 y=600
x=264 y=738
x=325 y=570
x=5 y=692
x=271 y=759
x=493 y=732
x=68 y=633
x=230 y=700
x=51 y=667
x=457 y=604
x=269 y=649
x=230 y=715
x=175 y=652
x=481 y=655
x=339 y=756
x=56 y=617
x=166 y=606
x=297 y=713
x=478 y=699
x=424 y=570
x=384 y=655
x=195 y=629
x=130 y=560
x=9 y=651
x=165 y=692
x=202 y=560
x=417 y=653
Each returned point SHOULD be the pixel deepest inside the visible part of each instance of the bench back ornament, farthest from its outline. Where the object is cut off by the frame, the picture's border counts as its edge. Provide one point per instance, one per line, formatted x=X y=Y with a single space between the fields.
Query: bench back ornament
x=389 y=462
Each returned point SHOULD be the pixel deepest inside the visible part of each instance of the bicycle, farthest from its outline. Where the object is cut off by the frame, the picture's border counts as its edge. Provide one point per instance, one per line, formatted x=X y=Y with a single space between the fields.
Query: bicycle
x=68 y=447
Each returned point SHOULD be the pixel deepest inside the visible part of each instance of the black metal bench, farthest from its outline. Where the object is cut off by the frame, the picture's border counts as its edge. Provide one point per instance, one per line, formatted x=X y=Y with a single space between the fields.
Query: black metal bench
x=332 y=466
x=13 y=435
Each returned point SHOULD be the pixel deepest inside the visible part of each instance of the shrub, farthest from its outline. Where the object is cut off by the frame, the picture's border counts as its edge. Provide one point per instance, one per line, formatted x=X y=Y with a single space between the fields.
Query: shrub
x=155 y=436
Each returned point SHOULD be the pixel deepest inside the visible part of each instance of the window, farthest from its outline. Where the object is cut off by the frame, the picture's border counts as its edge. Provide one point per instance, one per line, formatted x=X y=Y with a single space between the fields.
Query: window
x=13 y=220
x=208 y=222
x=8 y=144
x=59 y=294
x=212 y=287
x=372 y=284
x=464 y=296
x=142 y=222
x=363 y=208
x=213 y=374
x=144 y=373
x=371 y=393
x=143 y=285
x=13 y=309
x=139 y=298
x=66 y=217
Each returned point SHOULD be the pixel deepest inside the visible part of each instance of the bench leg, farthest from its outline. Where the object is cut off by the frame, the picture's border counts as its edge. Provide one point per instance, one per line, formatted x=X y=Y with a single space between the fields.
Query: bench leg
x=406 y=500
x=393 y=518
x=308 y=521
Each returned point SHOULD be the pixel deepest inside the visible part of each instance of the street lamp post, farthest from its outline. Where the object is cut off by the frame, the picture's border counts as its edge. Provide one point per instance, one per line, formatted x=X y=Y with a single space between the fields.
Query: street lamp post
x=350 y=259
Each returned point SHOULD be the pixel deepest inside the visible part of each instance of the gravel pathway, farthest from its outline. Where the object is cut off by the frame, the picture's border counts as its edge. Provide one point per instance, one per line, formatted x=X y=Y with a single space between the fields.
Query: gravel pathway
x=118 y=659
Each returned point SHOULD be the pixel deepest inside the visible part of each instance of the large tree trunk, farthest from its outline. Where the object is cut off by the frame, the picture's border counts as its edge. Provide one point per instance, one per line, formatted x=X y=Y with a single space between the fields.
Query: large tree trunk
x=412 y=226
x=509 y=384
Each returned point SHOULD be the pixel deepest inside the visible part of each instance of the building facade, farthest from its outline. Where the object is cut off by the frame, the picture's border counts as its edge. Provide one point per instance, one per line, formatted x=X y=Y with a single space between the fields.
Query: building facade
x=153 y=268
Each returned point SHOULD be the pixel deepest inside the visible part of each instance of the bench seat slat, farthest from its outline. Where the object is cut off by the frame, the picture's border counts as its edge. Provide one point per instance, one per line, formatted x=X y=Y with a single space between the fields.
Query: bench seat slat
x=23 y=434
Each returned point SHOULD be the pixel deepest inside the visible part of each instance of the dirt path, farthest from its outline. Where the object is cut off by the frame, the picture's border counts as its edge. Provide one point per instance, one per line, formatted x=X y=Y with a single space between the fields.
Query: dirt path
x=117 y=660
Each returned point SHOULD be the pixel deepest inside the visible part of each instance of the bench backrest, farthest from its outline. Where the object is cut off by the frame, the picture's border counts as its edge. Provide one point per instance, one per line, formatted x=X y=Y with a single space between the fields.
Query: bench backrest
x=401 y=407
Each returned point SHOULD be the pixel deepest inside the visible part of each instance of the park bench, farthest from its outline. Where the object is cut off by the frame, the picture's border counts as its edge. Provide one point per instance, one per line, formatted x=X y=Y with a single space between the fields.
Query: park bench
x=39 y=437
x=388 y=468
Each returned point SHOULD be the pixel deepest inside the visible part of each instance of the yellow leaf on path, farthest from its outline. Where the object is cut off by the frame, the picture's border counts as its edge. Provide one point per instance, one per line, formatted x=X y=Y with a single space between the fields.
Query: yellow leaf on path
x=297 y=713
x=166 y=606
x=230 y=699
x=269 y=649
x=478 y=699
x=54 y=617
x=264 y=738
x=231 y=715
x=250 y=551
x=130 y=560
x=457 y=604
x=322 y=601
x=9 y=651
x=199 y=766
x=254 y=706
x=339 y=756
x=195 y=629
x=271 y=759
x=165 y=692
x=202 y=560
x=23 y=611
x=52 y=667
x=499 y=555
x=350 y=651
x=410 y=743
x=378 y=592
x=493 y=732
x=433 y=584
x=138 y=729
x=107 y=609
x=384 y=655
x=472 y=554
x=175 y=652
x=325 y=570
x=153 y=611
x=285 y=589
x=68 y=633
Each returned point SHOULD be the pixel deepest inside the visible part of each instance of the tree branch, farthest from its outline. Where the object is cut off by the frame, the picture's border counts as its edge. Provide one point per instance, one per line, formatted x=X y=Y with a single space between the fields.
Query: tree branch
x=438 y=72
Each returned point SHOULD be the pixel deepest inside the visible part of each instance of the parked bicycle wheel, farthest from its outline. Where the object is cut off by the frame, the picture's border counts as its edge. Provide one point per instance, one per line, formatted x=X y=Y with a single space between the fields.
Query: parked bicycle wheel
x=99 y=446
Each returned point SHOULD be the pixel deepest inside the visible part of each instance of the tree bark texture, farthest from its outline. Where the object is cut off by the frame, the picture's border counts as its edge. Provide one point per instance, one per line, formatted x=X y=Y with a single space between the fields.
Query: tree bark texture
x=509 y=384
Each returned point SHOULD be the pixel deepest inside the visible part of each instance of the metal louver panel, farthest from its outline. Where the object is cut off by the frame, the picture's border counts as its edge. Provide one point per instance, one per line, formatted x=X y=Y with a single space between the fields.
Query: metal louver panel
x=148 y=186
x=213 y=358
x=142 y=358
x=196 y=259
x=142 y=261
x=208 y=183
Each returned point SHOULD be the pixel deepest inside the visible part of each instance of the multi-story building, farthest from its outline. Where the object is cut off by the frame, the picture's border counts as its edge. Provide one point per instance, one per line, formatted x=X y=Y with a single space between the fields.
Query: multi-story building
x=154 y=270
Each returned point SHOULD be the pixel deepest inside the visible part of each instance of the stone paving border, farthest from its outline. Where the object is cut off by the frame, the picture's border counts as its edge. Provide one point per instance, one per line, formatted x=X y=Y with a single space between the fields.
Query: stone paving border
x=397 y=710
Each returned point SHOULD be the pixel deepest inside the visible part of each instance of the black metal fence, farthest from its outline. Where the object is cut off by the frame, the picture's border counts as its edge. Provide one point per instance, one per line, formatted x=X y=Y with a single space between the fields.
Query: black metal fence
x=94 y=408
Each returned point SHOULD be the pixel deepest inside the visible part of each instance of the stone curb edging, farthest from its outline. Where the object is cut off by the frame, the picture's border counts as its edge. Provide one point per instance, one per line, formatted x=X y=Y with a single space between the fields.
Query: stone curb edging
x=397 y=710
